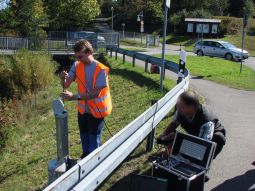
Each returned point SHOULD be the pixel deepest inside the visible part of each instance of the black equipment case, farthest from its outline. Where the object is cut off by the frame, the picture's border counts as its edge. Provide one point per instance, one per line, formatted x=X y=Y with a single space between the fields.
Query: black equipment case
x=187 y=165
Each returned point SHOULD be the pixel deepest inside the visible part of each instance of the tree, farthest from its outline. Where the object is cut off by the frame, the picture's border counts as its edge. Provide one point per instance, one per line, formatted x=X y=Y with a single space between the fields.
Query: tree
x=249 y=8
x=29 y=17
x=71 y=14
x=218 y=7
x=127 y=11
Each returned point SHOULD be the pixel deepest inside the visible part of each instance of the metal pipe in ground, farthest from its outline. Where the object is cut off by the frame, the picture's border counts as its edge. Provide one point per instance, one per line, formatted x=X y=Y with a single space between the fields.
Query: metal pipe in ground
x=58 y=166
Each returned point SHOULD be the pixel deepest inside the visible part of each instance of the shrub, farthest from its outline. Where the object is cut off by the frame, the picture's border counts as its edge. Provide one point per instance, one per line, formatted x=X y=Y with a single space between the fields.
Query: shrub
x=7 y=120
x=25 y=72
x=21 y=74
x=234 y=25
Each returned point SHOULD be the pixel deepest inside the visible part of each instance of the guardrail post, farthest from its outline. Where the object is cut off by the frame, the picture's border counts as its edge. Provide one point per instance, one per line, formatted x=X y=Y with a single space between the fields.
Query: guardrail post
x=150 y=137
x=116 y=55
x=133 y=61
x=124 y=58
x=146 y=65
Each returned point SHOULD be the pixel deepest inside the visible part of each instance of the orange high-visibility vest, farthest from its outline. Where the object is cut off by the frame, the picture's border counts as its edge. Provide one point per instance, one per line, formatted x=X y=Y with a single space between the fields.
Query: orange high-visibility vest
x=102 y=105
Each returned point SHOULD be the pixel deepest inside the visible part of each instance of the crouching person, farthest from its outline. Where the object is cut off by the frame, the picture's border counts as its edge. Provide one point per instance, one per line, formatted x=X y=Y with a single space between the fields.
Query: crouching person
x=196 y=120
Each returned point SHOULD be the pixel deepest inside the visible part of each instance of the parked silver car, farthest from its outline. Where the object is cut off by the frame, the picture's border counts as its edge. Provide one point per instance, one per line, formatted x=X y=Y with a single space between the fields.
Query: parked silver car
x=219 y=49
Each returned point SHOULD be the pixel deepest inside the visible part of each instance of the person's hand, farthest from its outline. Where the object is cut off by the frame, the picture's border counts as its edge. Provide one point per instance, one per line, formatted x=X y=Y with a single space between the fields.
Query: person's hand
x=68 y=96
x=63 y=75
x=168 y=137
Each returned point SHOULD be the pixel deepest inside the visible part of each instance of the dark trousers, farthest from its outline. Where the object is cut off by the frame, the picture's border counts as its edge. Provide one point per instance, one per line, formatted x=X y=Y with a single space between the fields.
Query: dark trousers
x=220 y=140
x=90 y=132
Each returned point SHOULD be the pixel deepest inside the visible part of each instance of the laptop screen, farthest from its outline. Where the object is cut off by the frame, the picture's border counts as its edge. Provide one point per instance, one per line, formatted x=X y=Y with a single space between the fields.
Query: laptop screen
x=193 y=150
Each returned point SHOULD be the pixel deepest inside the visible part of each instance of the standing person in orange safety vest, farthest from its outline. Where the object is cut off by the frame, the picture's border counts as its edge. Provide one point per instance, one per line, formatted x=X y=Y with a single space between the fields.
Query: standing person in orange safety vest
x=93 y=97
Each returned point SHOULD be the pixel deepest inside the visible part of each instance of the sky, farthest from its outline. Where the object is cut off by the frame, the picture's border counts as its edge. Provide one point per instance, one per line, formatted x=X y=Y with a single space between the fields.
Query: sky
x=3 y=4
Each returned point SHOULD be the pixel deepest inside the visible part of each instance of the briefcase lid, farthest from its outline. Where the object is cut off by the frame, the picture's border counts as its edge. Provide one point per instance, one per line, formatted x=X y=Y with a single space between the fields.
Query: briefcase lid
x=198 y=151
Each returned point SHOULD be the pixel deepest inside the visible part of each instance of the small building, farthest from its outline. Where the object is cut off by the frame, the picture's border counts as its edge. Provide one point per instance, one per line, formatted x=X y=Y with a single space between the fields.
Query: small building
x=202 y=26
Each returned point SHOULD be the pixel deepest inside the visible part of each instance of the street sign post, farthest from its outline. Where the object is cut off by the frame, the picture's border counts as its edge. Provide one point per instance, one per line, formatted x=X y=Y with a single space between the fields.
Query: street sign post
x=162 y=73
x=245 y=23
x=168 y=3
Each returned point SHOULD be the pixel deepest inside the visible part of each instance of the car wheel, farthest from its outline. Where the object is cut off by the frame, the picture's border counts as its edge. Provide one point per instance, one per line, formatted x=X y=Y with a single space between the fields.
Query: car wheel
x=200 y=53
x=229 y=56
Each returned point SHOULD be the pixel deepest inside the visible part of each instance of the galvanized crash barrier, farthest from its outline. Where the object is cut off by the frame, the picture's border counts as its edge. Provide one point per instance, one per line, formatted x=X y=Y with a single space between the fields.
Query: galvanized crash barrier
x=90 y=172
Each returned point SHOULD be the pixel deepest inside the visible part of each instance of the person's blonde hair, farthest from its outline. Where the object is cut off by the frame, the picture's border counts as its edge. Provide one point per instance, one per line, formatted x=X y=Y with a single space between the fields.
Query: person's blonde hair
x=83 y=45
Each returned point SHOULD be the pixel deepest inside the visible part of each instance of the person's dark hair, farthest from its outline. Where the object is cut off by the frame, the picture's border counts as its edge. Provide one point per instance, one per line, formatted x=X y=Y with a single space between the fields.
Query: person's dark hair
x=190 y=99
x=83 y=45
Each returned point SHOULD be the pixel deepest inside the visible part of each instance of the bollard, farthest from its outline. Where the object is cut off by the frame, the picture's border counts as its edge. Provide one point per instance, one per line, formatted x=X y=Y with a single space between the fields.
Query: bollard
x=182 y=64
x=150 y=137
x=58 y=166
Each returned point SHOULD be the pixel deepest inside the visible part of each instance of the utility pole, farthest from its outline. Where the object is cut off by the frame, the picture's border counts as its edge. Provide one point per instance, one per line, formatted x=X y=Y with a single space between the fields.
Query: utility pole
x=112 y=17
x=167 y=6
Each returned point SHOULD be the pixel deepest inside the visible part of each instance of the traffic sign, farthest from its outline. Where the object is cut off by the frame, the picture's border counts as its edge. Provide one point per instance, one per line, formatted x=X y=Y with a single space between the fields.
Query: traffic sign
x=168 y=3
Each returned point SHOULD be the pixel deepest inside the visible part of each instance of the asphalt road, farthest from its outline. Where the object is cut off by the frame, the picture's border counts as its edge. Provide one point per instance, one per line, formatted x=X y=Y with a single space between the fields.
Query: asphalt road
x=232 y=169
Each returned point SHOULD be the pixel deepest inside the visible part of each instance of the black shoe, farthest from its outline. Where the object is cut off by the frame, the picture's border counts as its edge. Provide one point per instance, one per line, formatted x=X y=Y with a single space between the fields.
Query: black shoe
x=207 y=178
x=83 y=156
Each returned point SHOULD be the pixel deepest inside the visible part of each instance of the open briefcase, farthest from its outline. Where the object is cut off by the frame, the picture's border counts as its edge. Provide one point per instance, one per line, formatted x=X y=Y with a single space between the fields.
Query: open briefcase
x=187 y=165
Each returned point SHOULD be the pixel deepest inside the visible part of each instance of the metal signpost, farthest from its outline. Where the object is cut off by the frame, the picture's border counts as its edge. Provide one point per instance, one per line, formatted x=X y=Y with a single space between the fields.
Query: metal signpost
x=123 y=31
x=167 y=6
x=140 y=19
x=245 y=23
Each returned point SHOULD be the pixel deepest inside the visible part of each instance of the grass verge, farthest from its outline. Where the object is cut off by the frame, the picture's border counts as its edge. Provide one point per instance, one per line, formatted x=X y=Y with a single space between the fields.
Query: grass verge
x=220 y=71
x=23 y=162
x=189 y=42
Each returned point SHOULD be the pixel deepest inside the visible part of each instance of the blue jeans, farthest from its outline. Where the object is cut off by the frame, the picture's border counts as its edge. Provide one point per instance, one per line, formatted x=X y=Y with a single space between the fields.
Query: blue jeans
x=90 y=132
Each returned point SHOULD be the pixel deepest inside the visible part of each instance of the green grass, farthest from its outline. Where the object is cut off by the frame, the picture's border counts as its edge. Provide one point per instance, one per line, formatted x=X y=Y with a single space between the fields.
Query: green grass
x=189 y=42
x=23 y=162
x=220 y=71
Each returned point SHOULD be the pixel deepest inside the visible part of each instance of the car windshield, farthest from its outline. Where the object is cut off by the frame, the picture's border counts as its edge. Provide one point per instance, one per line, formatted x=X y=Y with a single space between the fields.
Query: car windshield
x=228 y=45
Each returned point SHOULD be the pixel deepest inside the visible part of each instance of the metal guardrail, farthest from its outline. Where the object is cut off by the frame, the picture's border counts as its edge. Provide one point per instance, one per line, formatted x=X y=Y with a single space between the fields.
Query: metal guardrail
x=91 y=171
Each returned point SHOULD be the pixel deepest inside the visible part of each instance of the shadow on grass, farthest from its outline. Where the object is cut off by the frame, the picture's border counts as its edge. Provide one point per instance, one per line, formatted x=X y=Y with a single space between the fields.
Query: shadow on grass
x=137 y=78
x=200 y=77
x=124 y=183
x=183 y=40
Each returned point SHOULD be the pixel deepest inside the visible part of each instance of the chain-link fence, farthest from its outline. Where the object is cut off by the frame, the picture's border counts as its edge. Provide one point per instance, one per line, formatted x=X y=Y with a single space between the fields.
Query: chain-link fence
x=60 y=41
x=142 y=38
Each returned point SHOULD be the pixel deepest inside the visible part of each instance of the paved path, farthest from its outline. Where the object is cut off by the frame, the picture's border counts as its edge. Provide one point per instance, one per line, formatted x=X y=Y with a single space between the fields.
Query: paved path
x=232 y=170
